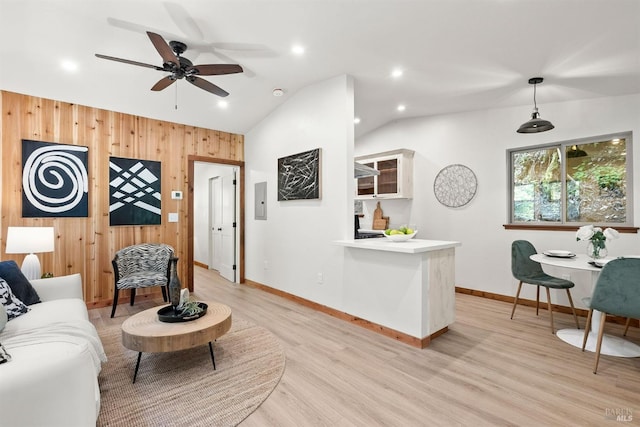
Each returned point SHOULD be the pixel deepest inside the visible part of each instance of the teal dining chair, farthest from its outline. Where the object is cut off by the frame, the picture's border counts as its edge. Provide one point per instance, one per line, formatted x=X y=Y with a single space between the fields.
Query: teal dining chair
x=626 y=326
x=617 y=292
x=528 y=271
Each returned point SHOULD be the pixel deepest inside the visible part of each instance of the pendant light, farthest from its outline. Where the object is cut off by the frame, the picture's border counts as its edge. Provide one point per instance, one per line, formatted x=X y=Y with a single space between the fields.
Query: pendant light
x=536 y=124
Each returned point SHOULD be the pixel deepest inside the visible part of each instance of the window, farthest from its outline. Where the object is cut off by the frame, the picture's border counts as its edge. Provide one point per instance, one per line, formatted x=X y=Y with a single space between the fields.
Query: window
x=576 y=182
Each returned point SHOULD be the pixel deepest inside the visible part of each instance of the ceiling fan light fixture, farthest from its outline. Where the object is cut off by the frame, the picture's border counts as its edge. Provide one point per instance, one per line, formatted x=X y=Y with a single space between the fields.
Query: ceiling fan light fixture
x=535 y=124
x=180 y=67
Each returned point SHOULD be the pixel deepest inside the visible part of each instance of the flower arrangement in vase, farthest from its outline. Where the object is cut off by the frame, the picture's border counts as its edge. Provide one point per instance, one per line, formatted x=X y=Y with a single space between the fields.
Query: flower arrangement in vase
x=596 y=248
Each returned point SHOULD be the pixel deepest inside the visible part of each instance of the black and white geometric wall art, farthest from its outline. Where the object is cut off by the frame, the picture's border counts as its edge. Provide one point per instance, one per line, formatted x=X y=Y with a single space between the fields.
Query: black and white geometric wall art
x=54 y=180
x=134 y=192
x=299 y=176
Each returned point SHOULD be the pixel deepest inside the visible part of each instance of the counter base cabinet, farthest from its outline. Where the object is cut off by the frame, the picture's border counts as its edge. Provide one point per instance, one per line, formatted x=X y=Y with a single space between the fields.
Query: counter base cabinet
x=412 y=293
x=396 y=176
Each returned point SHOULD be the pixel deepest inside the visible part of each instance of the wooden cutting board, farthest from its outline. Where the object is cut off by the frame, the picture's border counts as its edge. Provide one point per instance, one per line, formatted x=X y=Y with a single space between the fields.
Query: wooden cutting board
x=379 y=222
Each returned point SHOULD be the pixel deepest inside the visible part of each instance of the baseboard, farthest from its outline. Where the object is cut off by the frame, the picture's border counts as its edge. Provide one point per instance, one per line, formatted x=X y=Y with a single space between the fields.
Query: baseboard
x=543 y=305
x=200 y=264
x=382 y=330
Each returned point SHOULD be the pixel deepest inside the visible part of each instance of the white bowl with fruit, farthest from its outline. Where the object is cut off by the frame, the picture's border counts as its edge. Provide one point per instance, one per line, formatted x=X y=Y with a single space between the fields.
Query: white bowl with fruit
x=401 y=234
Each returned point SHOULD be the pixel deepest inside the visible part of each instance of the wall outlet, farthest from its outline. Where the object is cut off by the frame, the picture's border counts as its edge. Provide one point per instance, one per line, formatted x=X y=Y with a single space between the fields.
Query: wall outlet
x=320 y=278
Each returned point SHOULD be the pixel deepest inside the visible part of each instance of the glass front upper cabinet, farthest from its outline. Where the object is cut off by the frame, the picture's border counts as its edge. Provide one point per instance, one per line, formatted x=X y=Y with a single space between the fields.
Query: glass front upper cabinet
x=395 y=180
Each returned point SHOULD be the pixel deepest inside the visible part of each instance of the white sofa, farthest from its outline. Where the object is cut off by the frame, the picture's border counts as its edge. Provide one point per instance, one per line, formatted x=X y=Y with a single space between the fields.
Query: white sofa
x=56 y=355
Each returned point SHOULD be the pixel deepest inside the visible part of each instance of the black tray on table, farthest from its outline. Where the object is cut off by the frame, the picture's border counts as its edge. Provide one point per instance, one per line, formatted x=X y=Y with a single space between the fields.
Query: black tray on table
x=167 y=314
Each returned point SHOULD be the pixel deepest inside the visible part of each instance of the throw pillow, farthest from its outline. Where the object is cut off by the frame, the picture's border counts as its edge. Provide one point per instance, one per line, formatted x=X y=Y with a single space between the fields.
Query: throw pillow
x=13 y=305
x=19 y=284
x=3 y=317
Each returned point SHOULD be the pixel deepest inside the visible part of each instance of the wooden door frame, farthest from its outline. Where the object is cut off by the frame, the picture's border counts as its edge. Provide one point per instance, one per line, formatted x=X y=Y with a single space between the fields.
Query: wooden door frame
x=191 y=159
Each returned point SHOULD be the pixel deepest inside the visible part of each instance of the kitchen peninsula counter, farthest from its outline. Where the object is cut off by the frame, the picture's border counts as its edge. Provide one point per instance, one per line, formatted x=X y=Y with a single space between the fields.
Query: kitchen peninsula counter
x=405 y=290
x=412 y=246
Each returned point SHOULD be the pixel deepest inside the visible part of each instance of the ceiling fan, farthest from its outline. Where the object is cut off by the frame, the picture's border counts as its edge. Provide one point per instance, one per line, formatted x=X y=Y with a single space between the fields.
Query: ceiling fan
x=180 y=67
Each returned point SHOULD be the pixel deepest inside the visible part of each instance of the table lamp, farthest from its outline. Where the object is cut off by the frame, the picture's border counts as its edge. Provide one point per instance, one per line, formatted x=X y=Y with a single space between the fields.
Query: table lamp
x=30 y=240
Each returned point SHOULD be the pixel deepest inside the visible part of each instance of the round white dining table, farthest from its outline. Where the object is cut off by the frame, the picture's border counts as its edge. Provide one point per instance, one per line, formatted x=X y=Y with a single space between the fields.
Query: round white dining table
x=611 y=345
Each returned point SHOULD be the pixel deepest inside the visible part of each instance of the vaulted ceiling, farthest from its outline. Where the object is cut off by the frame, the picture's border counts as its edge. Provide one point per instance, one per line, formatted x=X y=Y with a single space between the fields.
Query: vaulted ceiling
x=454 y=55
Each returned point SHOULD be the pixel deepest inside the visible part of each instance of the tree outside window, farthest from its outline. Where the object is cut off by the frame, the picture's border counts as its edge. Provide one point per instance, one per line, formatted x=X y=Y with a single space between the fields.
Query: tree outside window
x=575 y=182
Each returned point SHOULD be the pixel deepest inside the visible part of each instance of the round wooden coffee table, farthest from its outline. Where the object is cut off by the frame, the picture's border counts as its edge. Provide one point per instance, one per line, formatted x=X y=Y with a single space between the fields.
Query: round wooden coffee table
x=143 y=332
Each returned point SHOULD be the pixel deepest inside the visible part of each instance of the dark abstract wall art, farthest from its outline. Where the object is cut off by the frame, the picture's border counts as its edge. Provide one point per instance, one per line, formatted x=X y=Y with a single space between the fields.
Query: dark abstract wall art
x=299 y=176
x=54 y=180
x=134 y=192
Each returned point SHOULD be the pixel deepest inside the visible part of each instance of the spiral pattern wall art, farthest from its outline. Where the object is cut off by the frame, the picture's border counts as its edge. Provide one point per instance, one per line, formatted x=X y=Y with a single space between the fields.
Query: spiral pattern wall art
x=134 y=192
x=54 y=180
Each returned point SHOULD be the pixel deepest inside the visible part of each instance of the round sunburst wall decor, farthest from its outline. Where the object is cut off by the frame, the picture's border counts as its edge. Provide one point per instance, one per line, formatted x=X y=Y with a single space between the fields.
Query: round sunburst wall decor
x=455 y=185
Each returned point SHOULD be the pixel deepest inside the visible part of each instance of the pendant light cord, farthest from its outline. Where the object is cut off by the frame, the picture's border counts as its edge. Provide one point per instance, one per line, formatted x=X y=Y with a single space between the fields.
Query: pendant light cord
x=535 y=105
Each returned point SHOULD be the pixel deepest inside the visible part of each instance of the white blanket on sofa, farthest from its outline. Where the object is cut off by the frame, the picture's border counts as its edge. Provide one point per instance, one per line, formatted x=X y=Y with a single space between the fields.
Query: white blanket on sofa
x=76 y=332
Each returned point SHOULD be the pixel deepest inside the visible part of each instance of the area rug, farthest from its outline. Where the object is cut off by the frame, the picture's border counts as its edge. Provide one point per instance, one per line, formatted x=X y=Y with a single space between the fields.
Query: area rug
x=182 y=388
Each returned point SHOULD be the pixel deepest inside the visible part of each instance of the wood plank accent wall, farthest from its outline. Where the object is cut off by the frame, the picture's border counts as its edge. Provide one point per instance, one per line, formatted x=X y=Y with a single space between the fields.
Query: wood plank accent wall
x=87 y=245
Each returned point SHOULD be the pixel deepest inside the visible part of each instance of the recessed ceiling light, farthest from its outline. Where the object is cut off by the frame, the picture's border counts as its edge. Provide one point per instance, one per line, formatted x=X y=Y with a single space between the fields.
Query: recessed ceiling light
x=396 y=73
x=401 y=108
x=297 y=49
x=68 y=65
x=356 y=120
x=223 y=104
x=278 y=92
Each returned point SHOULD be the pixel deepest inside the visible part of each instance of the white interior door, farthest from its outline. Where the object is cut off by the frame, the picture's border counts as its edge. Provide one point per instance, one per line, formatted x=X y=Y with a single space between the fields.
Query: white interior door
x=223 y=225
x=215 y=222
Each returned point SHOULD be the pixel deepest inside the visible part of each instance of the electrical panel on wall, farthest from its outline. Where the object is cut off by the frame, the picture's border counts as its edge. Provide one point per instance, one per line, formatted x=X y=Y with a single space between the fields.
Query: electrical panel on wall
x=261 y=201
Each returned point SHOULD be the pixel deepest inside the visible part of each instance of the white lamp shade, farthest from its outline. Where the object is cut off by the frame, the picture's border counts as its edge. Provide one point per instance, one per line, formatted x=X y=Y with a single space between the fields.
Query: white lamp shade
x=29 y=240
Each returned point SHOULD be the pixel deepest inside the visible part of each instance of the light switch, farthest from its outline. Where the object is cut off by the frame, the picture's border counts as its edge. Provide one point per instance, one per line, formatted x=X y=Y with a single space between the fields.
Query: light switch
x=176 y=195
x=173 y=217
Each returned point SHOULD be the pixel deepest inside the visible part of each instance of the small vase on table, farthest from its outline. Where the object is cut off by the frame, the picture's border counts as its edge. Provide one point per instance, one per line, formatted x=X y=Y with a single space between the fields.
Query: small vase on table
x=174 y=284
x=596 y=250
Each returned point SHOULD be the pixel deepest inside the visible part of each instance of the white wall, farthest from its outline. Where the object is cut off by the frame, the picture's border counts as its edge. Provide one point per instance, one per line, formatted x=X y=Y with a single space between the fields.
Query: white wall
x=290 y=248
x=479 y=140
x=202 y=172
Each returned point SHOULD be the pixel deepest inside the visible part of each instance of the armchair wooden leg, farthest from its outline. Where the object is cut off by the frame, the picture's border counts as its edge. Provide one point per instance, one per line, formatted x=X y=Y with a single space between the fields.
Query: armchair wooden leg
x=538 y=298
x=550 y=310
x=115 y=302
x=587 y=329
x=515 y=301
x=573 y=310
x=133 y=295
x=626 y=326
x=599 y=345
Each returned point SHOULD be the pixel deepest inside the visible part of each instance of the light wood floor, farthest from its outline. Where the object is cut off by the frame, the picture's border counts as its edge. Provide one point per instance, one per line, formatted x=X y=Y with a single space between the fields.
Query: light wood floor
x=487 y=370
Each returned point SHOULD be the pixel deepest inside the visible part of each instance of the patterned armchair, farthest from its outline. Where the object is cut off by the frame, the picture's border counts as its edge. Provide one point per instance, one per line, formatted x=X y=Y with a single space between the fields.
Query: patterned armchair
x=141 y=266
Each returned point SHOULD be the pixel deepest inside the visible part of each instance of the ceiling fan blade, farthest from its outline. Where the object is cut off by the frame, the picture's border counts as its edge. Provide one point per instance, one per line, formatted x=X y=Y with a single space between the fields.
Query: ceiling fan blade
x=215 y=69
x=163 y=83
x=128 y=61
x=247 y=72
x=208 y=86
x=163 y=48
x=183 y=21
